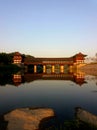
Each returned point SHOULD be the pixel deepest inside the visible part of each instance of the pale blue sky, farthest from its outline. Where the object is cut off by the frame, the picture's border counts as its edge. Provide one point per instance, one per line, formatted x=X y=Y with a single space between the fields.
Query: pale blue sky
x=48 y=28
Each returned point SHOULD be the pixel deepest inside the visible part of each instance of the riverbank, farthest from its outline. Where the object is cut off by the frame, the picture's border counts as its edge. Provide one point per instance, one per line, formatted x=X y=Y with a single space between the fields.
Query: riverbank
x=89 y=69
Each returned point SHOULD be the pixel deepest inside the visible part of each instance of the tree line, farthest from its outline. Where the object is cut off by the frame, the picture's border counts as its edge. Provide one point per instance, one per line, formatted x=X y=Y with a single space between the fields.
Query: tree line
x=6 y=59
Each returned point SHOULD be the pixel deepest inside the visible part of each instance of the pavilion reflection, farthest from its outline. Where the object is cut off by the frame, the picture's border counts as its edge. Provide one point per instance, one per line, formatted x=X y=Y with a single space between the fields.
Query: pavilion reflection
x=17 y=79
x=78 y=78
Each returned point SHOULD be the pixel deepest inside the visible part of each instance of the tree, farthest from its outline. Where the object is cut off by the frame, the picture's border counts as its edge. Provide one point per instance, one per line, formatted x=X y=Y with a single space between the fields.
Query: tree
x=96 y=56
x=5 y=58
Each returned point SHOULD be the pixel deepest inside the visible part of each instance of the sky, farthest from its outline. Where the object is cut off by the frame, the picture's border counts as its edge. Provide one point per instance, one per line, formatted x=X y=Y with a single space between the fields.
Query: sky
x=48 y=28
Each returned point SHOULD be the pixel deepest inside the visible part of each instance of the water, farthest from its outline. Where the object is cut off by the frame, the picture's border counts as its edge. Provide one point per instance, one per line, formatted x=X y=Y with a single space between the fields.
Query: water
x=60 y=92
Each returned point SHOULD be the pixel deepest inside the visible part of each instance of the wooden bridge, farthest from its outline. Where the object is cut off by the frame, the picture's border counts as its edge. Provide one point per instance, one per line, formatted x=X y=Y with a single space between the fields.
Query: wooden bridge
x=33 y=63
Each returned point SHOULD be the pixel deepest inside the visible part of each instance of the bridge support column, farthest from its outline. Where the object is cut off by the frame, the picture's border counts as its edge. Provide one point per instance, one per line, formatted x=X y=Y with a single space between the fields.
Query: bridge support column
x=53 y=68
x=71 y=68
x=35 y=68
x=62 y=68
x=44 y=68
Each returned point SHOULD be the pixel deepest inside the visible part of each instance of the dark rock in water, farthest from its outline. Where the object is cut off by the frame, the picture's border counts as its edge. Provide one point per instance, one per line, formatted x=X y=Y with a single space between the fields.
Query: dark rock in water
x=86 y=116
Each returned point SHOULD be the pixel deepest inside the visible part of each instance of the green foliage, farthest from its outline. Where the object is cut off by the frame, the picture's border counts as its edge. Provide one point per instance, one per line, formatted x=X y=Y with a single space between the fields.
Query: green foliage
x=6 y=59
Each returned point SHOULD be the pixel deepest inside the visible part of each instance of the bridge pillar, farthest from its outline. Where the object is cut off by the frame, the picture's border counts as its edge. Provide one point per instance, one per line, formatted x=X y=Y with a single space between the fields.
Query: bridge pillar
x=62 y=68
x=35 y=68
x=44 y=68
x=53 y=68
x=71 y=68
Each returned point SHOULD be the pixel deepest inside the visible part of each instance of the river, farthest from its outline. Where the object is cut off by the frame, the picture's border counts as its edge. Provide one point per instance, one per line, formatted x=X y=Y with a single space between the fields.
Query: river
x=60 y=92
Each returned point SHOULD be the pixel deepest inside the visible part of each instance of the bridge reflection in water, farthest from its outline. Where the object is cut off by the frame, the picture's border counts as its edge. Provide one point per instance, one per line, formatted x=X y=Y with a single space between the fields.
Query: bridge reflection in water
x=77 y=77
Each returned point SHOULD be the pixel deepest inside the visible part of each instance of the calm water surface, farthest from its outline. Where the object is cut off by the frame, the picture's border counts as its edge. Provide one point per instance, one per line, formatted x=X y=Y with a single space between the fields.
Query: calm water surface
x=60 y=92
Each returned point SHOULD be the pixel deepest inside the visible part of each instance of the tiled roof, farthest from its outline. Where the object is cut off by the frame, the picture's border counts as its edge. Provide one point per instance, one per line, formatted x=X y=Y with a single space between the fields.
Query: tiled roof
x=80 y=54
x=47 y=59
x=17 y=54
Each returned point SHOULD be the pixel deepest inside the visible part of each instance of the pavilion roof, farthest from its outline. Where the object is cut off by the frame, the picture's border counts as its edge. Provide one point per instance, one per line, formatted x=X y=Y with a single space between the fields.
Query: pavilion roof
x=47 y=59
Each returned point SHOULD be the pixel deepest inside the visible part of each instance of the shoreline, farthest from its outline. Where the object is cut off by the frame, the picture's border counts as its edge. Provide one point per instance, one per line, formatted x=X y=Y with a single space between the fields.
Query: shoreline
x=89 y=69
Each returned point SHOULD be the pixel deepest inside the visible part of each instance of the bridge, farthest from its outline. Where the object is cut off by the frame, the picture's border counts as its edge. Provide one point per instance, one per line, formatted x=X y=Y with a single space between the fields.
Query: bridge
x=62 y=64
